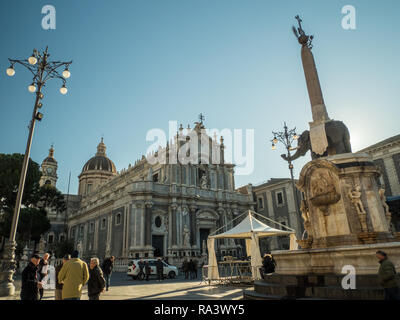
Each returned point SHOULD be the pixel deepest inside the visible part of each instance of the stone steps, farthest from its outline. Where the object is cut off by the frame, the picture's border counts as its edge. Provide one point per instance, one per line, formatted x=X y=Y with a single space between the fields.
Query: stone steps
x=314 y=287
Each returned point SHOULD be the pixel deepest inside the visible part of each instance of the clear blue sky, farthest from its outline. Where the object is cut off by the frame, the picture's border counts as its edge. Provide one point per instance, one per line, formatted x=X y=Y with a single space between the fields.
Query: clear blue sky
x=138 y=64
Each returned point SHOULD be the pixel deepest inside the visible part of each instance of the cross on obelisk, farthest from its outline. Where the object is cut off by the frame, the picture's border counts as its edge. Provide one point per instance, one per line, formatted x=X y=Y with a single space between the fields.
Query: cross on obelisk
x=300 y=29
x=319 y=141
x=201 y=118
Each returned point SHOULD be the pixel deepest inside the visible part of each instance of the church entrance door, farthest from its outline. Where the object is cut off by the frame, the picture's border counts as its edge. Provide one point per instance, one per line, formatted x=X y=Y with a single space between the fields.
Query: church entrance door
x=157 y=242
x=204 y=233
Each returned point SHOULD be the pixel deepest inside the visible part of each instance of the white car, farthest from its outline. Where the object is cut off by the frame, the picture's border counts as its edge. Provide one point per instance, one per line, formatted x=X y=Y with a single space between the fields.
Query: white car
x=168 y=272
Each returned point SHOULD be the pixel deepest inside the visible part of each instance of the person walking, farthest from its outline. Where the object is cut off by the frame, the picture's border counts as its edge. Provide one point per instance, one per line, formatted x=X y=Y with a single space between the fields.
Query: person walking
x=185 y=267
x=141 y=268
x=73 y=275
x=160 y=269
x=107 y=267
x=43 y=270
x=59 y=286
x=191 y=268
x=387 y=276
x=30 y=282
x=195 y=265
x=96 y=283
x=147 y=269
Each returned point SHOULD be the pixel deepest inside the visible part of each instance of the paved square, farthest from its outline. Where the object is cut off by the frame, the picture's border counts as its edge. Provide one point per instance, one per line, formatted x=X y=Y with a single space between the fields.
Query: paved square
x=124 y=288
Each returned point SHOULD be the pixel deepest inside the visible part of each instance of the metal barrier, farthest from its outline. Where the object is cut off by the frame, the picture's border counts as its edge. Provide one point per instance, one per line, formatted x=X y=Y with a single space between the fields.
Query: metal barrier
x=230 y=272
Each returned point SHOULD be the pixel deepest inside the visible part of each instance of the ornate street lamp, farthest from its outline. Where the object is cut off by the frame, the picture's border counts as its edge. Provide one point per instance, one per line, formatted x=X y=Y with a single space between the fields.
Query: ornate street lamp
x=42 y=70
x=287 y=137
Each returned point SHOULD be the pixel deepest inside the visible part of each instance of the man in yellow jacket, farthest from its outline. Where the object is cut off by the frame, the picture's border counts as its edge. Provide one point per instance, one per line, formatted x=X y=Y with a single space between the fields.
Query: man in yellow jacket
x=74 y=274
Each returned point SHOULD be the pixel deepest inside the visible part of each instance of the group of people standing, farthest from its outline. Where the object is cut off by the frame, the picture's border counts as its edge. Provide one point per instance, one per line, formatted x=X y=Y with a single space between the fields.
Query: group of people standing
x=71 y=276
x=190 y=268
x=145 y=269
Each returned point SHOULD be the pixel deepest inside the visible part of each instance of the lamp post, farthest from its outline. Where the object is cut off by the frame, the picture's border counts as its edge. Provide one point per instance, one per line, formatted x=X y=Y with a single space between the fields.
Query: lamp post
x=287 y=137
x=42 y=69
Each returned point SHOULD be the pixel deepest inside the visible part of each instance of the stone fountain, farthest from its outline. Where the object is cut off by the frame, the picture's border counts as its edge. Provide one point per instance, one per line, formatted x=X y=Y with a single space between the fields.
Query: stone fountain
x=346 y=219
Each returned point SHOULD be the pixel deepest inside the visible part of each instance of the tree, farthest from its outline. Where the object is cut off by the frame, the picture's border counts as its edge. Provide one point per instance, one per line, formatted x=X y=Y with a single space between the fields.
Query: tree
x=33 y=220
x=10 y=172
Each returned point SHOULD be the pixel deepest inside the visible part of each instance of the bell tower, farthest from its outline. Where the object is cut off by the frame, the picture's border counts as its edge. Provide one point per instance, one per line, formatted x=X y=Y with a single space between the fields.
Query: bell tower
x=49 y=169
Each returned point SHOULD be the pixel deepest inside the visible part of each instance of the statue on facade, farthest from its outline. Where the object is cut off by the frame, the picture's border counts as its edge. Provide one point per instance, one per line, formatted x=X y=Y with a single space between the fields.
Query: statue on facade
x=150 y=174
x=186 y=236
x=204 y=181
x=204 y=247
x=355 y=197
x=42 y=244
x=385 y=207
x=305 y=214
x=79 y=246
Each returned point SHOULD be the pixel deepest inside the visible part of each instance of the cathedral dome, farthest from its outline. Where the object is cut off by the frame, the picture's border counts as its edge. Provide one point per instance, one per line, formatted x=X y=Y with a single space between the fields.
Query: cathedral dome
x=100 y=162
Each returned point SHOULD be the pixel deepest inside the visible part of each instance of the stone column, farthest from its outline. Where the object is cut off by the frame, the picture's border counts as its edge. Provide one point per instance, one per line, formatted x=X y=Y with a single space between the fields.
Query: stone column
x=96 y=236
x=147 y=223
x=173 y=208
x=193 y=225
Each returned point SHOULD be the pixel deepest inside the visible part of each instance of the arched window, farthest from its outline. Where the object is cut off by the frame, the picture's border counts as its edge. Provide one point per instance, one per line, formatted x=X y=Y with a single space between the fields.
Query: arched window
x=50 y=238
x=61 y=237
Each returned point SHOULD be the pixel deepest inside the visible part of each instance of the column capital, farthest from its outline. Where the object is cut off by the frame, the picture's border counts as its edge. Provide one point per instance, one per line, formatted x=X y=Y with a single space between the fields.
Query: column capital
x=149 y=204
x=173 y=206
x=138 y=204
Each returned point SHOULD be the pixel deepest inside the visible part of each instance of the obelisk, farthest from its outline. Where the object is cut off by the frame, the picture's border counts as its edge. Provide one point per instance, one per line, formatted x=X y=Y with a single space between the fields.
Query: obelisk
x=319 y=142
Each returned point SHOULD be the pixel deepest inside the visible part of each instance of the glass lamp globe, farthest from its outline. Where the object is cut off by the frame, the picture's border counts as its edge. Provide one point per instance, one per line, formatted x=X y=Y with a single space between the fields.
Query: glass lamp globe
x=63 y=89
x=275 y=140
x=32 y=88
x=66 y=74
x=10 y=71
x=295 y=137
x=32 y=60
x=273 y=147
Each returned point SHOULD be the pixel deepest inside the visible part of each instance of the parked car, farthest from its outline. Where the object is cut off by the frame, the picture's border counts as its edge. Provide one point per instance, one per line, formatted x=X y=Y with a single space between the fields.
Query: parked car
x=168 y=272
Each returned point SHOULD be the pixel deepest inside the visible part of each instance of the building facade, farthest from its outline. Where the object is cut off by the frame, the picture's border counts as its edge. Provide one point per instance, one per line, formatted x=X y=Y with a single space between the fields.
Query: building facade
x=276 y=200
x=155 y=209
x=386 y=155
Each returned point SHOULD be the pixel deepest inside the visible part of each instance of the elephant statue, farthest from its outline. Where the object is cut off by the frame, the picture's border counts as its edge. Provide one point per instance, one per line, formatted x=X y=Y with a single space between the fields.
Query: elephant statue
x=338 y=141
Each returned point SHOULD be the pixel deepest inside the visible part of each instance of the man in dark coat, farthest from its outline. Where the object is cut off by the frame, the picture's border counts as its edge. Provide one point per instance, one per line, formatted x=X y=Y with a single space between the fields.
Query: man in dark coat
x=388 y=277
x=107 y=268
x=59 y=286
x=140 y=275
x=96 y=281
x=147 y=269
x=195 y=264
x=191 y=268
x=185 y=268
x=160 y=269
x=268 y=264
x=30 y=282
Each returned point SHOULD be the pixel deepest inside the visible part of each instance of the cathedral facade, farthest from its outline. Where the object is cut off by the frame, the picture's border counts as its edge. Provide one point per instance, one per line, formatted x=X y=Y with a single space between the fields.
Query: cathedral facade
x=163 y=208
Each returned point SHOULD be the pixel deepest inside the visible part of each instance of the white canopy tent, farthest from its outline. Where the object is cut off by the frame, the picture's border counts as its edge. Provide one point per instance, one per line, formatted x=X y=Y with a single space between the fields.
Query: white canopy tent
x=251 y=230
